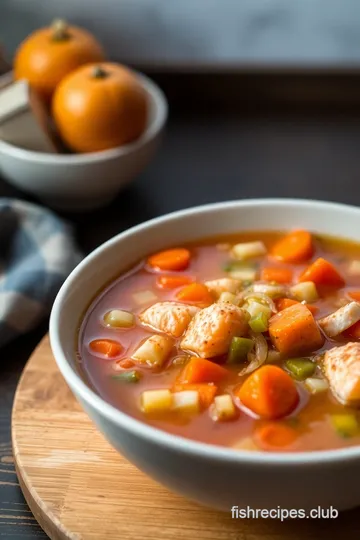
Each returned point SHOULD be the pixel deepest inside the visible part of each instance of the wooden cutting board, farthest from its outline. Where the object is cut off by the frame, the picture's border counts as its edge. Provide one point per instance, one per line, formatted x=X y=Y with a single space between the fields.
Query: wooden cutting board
x=78 y=487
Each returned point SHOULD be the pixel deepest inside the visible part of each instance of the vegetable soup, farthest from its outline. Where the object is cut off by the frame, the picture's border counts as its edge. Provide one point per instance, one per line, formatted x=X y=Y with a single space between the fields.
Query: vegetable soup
x=249 y=341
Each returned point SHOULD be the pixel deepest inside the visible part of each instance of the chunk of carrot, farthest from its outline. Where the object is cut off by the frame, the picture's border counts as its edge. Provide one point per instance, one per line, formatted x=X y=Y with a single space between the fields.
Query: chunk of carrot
x=106 y=347
x=269 y=392
x=295 y=247
x=126 y=363
x=170 y=259
x=173 y=282
x=274 y=435
x=294 y=330
x=353 y=332
x=322 y=272
x=195 y=293
x=279 y=275
x=283 y=303
x=355 y=295
x=207 y=392
x=200 y=370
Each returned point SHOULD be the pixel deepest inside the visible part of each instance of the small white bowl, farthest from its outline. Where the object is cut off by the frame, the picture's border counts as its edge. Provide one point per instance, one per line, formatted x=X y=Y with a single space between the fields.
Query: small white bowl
x=213 y=475
x=86 y=181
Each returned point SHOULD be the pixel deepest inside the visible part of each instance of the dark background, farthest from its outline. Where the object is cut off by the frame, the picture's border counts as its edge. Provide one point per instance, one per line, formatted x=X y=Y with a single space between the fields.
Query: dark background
x=228 y=137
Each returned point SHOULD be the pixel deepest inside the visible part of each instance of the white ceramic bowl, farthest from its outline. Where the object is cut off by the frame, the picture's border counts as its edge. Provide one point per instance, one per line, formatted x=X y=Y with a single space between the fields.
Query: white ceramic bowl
x=215 y=476
x=86 y=181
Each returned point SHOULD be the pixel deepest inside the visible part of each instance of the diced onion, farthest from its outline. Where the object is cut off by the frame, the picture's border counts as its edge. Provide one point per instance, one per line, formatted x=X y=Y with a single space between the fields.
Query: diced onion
x=315 y=385
x=243 y=274
x=262 y=298
x=258 y=355
x=255 y=308
x=144 y=297
x=305 y=292
x=274 y=291
x=248 y=250
x=186 y=401
x=117 y=318
x=229 y=297
x=153 y=401
x=223 y=408
x=154 y=351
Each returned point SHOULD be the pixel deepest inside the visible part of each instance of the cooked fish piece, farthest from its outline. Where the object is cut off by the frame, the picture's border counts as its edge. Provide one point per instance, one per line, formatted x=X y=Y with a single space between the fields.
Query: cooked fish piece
x=341 y=366
x=169 y=317
x=341 y=319
x=218 y=286
x=212 y=329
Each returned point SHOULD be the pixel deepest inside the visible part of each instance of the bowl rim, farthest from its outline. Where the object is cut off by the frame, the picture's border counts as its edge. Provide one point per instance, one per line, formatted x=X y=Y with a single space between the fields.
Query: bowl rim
x=151 y=131
x=157 y=436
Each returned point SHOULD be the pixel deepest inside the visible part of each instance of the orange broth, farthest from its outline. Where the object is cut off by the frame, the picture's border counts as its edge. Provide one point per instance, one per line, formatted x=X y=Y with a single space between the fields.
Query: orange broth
x=311 y=419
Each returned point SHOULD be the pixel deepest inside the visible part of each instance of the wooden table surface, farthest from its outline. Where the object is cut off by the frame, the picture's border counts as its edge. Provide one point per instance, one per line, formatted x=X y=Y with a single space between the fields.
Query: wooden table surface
x=215 y=149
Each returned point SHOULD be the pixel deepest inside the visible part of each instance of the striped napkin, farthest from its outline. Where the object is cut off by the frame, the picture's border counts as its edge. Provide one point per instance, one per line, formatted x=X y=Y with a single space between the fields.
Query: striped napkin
x=37 y=252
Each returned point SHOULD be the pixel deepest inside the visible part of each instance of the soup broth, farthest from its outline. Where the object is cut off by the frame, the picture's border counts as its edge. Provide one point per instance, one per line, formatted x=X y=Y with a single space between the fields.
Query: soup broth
x=266 y=301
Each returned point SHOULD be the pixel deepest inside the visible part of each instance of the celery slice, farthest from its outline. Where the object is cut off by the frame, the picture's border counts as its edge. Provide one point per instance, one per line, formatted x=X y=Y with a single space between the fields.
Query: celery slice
x=346 y=425
x=239 y=349
x=132 y=376
x=300 y=368
x=259 y=323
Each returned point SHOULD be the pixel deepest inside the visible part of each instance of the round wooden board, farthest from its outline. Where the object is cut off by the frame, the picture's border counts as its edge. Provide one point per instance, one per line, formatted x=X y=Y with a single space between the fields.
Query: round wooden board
x=78 y=487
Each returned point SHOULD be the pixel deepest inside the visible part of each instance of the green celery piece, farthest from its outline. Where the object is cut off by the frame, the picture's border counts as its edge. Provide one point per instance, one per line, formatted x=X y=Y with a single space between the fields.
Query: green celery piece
x=239 y=349
x=300 y=368
x=346 y=425
x=132 y=376
x=259 y=323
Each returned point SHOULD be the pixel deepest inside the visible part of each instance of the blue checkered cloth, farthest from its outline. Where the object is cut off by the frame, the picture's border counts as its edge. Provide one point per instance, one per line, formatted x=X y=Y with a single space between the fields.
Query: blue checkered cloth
x=37 y=252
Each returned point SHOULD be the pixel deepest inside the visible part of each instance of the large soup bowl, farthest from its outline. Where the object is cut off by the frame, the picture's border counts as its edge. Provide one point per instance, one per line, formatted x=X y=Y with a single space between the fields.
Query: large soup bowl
x=215 y=476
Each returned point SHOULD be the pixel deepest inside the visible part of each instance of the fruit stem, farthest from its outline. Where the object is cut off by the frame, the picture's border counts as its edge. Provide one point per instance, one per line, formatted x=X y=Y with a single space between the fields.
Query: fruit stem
x=60 y=30
x=99 y=73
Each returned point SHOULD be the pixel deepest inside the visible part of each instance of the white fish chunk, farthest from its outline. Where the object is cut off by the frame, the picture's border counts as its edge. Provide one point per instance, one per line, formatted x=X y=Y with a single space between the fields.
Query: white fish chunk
x=218 y=286
x=212 y=329
x=341 y=367
x=341 y=320
x=172 y=318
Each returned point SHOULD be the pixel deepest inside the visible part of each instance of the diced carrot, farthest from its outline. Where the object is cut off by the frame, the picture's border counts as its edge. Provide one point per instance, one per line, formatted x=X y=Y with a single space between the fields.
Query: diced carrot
x=353 y=332
x=279 y=275
x=173 y=282
x=274 y=435
x=283 y=303
x=171 y=259
x=126 y=363
x=294 y=330
x=295 y=247
x=106 y=347
x=195 y=293
x=200 y=370
x=322 y=272
x=269 y=392
x=355 y=295
x=207 y=392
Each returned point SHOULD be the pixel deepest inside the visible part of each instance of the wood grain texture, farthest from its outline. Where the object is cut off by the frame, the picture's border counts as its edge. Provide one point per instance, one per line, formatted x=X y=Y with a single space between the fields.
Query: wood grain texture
x=79 y=488
x=16 y=520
